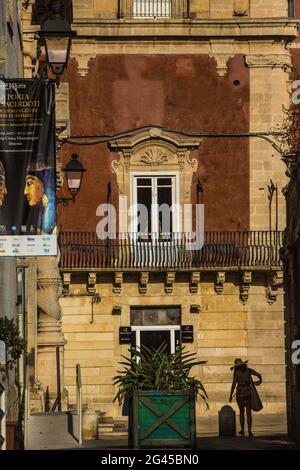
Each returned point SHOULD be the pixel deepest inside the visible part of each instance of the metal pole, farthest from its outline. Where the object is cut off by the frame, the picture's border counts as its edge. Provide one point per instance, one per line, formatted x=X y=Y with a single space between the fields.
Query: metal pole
x=277 y=217
x=58 y=378
x=79 y=402
x=26 y=407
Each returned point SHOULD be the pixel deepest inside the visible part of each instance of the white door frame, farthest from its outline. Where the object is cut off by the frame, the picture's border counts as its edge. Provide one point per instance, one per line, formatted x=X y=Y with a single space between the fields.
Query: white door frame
x=171 y=328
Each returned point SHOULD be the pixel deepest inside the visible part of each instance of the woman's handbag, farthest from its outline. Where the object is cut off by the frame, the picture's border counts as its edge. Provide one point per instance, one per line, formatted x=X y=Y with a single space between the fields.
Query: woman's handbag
x=256 y=403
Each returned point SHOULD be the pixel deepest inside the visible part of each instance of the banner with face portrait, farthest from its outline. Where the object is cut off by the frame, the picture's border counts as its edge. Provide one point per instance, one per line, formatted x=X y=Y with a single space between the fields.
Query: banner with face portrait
x=27 y=168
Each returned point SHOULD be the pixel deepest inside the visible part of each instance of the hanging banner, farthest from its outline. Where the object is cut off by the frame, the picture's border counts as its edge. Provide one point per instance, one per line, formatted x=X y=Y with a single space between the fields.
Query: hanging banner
x=27 y=168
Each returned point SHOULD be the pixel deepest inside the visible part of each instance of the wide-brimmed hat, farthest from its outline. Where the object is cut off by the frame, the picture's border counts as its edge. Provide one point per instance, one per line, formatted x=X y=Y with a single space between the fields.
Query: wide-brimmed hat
x=238 y=362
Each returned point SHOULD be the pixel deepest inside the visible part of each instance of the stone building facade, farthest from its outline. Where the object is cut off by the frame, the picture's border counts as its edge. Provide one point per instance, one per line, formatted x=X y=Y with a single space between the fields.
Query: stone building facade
x=181 y=100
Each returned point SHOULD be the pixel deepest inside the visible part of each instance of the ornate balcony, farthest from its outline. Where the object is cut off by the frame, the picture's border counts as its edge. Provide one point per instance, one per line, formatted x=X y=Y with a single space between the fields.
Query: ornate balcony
x=257 y=250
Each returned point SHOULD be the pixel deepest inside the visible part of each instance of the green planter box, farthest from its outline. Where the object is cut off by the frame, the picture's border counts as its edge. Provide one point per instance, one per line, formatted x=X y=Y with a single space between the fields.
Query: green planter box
x=162 y=419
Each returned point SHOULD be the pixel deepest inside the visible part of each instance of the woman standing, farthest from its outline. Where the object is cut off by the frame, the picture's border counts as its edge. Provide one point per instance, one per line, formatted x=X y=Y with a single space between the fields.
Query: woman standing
x=242 y=379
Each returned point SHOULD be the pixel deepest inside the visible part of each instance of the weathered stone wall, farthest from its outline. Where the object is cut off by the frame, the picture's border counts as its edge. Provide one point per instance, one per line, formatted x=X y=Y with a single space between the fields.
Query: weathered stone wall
x=224 y=330
x=268 y=95
x=198 y=8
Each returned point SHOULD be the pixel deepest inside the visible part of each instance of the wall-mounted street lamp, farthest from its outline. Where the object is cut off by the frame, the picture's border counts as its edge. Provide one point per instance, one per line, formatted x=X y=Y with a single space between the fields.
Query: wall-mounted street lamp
x=56 y=35
x=74 y=174
x=272 y=188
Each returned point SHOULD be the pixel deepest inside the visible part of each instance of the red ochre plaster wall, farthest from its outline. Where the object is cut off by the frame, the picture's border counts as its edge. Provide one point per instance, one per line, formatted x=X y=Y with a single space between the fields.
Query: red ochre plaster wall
x=297 y=8
x=182 y=92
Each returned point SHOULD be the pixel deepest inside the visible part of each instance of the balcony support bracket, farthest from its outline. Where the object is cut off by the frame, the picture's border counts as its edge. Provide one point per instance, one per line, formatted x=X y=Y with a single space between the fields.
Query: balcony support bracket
x=245 y=286
x=220 y=281
x=91 y=284
x=118 y=281
x=144 y=279
x=194 y=282
x=170 y=280
x=66 y=280
x=274 y=282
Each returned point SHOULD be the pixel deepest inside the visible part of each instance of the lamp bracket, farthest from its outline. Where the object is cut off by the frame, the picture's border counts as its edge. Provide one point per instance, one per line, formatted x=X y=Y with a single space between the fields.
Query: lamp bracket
x=65 y=200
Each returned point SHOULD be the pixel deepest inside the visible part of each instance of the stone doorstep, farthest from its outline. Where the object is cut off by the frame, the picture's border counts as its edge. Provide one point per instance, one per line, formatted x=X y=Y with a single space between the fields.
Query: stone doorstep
x=105 y=428
x=108 y=428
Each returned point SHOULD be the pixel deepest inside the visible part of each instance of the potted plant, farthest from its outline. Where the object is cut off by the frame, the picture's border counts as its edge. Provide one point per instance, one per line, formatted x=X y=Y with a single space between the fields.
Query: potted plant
x=14 y=347
x=162 y=394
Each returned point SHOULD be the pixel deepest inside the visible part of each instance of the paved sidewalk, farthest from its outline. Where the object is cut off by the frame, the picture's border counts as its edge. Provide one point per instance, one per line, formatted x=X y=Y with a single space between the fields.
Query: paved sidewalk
x=269 y=434
x=210 y=443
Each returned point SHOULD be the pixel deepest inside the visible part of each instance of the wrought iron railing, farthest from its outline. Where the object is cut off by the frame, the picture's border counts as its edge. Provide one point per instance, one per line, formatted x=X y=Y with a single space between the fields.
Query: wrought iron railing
x=87 y=250
x=153 y=9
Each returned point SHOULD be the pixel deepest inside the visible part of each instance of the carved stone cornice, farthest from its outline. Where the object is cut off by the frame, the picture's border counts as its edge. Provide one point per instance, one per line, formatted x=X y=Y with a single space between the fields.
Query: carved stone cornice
x=271 y=61
x=194 y=282
x=220 y=281
x=251 y=29
x=274 y=283
x=246 y=279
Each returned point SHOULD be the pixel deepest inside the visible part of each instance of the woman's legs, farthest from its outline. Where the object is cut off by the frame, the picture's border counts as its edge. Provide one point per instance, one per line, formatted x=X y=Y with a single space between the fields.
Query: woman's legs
x=249 y=419
x=242 y=419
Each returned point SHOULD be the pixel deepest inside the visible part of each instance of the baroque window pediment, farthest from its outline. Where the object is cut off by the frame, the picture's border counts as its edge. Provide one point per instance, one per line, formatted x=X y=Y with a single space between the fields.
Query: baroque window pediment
x=154 y=149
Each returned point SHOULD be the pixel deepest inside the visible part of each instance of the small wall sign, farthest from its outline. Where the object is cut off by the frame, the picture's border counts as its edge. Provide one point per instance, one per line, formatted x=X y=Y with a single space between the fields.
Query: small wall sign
x=187 y=333
x=125 y=335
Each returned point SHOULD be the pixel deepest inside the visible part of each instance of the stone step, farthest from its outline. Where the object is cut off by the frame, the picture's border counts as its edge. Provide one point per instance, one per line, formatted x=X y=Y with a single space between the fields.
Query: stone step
x=113 y=435
x=105 y=428
x=106 y=420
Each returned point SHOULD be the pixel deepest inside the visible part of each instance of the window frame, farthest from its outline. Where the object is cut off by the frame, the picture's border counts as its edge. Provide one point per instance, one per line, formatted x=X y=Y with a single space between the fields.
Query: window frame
x=291 y=9
x=176 y=222
x=140 y=5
